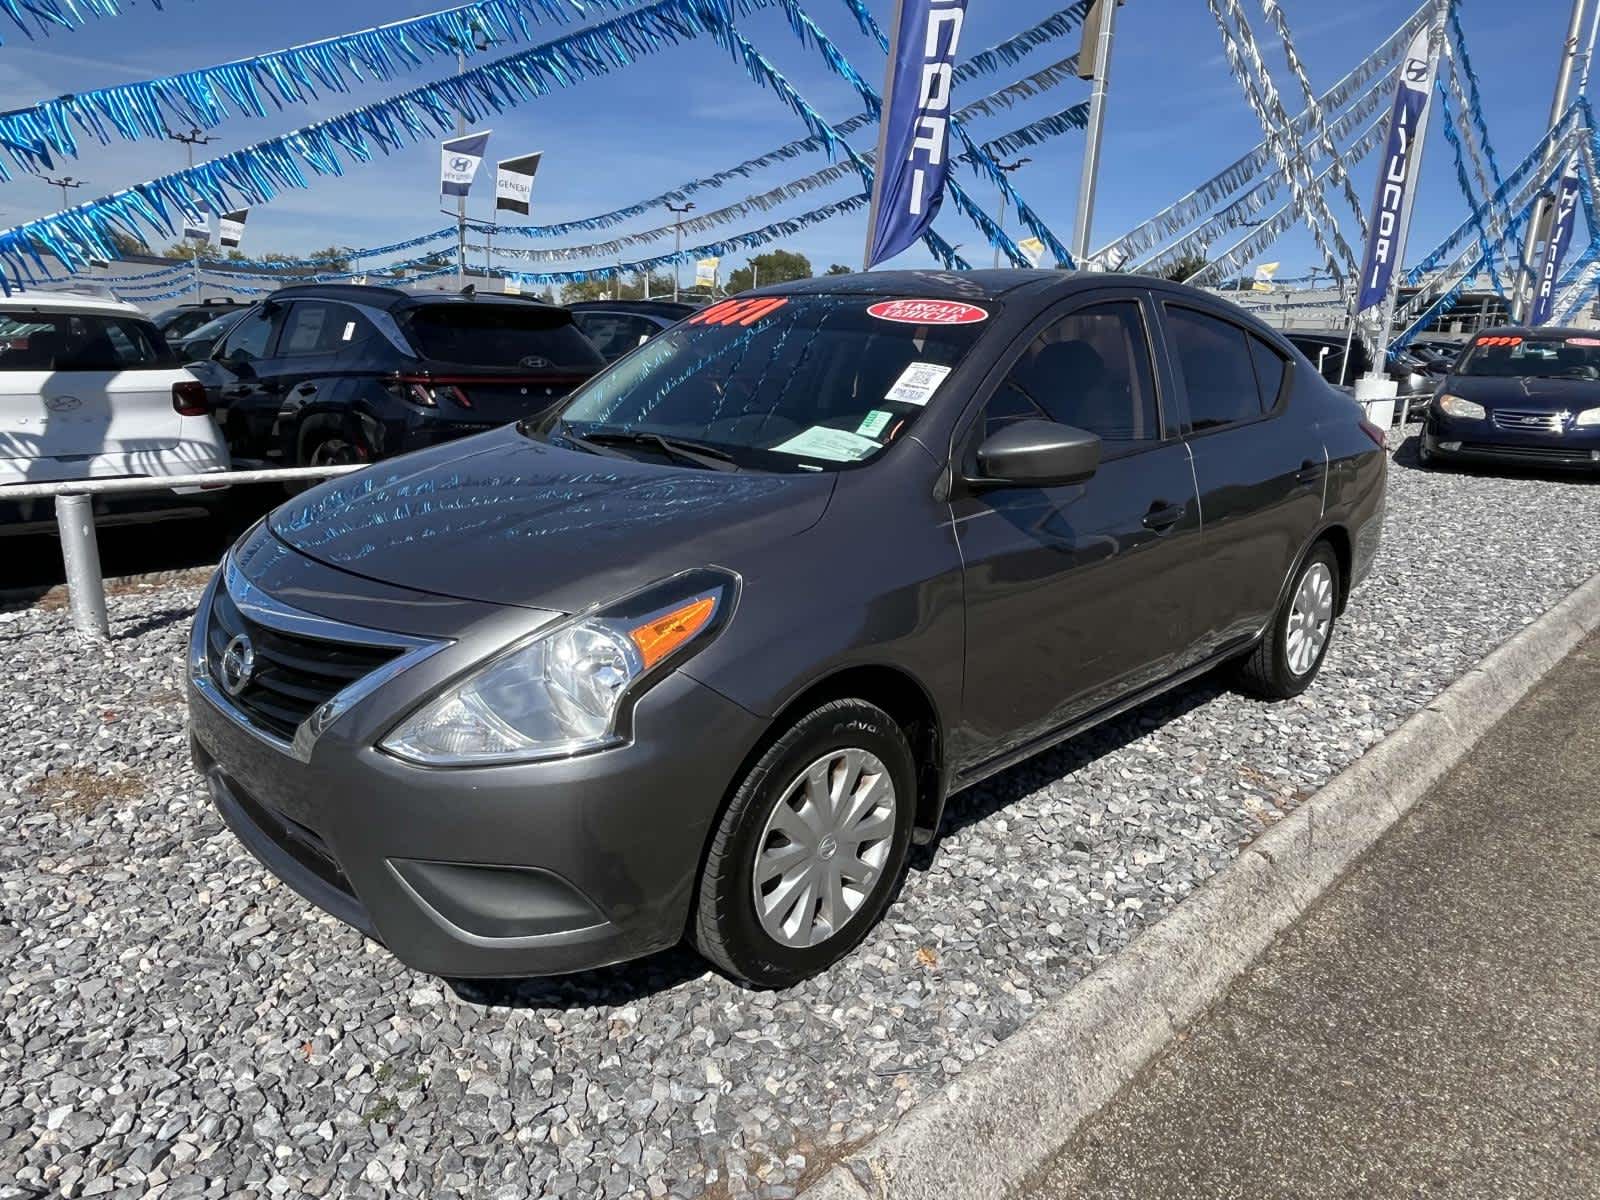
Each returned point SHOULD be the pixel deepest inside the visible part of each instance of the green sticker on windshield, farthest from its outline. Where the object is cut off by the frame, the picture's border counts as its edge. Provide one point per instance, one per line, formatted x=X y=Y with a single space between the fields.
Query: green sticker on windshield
x=830 y=445
x=876 y=420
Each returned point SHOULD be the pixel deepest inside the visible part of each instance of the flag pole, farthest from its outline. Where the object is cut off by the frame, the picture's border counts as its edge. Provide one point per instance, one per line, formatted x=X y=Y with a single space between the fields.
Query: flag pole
x=883 y=132
x=1104 y=13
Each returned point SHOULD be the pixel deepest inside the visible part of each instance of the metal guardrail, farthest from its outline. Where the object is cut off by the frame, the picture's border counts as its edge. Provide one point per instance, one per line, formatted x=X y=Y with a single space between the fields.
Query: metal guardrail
x=80 y=551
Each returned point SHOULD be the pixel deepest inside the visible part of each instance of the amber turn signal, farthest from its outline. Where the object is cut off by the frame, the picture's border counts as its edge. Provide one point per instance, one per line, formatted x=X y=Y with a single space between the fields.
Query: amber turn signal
x=659 y=637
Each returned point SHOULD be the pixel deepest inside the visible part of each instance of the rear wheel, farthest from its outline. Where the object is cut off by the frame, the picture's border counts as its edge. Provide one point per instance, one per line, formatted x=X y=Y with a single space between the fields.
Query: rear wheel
x=1290 y=653
x=323 y=442
x=811 y=848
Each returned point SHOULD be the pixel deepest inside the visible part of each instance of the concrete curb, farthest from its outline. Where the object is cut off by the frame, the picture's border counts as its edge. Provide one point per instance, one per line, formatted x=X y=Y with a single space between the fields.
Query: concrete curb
x=987 y=1131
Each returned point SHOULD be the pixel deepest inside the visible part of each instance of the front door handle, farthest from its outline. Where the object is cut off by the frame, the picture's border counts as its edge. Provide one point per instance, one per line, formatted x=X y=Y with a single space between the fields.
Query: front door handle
x=1163 y=516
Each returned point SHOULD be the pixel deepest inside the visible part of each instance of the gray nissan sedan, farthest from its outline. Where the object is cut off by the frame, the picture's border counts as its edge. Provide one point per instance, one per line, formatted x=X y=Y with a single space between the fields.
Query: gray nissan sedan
x=703 y=653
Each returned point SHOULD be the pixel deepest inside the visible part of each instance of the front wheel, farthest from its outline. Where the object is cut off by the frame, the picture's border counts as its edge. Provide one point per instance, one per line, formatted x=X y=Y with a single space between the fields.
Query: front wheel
x=811 y=848
x=1290 y=653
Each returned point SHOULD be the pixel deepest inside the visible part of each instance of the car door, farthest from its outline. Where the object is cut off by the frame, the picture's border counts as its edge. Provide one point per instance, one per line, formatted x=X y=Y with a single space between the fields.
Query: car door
x=1076 y=595
x=315 y=343
x=1259 y=464
x=240 y=383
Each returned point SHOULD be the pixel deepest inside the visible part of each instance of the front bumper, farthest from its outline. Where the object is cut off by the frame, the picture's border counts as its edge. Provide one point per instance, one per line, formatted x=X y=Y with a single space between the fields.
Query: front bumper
x=530 y=869
x=1455 y=440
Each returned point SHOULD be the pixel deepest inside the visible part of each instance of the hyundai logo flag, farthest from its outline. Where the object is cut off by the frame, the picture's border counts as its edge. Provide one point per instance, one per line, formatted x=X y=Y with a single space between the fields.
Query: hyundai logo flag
x=1407 y=125
x=230 y=227
x=1555 y=246
x=458 y=162
x=513 y=183
x=913 y=163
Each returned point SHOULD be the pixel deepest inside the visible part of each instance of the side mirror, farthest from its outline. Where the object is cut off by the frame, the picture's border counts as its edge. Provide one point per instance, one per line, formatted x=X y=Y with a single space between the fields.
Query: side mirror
x=1037 y=454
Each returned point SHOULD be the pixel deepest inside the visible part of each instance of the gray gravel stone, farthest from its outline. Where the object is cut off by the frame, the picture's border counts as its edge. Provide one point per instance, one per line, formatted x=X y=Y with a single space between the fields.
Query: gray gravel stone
x=177 y=1022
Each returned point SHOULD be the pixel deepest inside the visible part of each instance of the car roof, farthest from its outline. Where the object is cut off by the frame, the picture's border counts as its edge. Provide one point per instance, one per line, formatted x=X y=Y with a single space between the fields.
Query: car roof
x=388 y=298
x=658 y=308
x=30 y=301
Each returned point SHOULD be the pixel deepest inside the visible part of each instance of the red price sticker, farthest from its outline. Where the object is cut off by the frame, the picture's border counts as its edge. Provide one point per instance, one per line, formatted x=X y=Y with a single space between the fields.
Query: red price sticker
x=928 y=312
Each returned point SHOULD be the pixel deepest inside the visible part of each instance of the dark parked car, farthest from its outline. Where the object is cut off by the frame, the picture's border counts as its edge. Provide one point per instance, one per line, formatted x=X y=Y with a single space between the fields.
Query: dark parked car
x=1326 y=352
x=1529 y=396
x=335 y=373
x=179 y=321
x=619 y=326
x=704 y=652
x=203 y=341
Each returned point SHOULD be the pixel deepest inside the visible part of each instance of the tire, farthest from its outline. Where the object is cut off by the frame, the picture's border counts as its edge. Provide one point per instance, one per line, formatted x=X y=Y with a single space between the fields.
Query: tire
x=323 y=442
x=728 y=928
x=1282 y=665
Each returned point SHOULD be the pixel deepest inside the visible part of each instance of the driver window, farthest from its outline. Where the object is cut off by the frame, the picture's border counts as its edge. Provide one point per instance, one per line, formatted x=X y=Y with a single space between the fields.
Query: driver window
x=1090 y=370
x=248 y=339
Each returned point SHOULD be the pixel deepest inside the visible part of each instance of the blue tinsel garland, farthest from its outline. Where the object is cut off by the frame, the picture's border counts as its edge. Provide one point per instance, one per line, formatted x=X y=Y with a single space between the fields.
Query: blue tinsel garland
x=60 y=14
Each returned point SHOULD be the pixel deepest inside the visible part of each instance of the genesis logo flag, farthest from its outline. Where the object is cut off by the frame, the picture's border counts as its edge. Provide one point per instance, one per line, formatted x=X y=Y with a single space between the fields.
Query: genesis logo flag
x=915 y=162
x=230 y=227
x=513 y=183
x=1555 y=247
x=1396 y=174
x=458 y=162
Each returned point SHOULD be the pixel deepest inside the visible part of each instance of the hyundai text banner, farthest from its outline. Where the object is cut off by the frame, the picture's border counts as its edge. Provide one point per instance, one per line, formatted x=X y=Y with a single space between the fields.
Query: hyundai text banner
x=1555 y=247
x=1397 y=170
x=915 y=161
x=458 y=162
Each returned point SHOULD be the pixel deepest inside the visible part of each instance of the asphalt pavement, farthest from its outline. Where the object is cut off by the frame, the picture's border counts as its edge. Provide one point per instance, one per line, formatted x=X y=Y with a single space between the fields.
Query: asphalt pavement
x=1431 y=1029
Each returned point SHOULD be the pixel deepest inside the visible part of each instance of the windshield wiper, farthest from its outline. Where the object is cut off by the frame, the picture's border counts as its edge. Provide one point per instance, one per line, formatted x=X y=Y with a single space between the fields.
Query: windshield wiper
x=565 y=432
x=708 y=457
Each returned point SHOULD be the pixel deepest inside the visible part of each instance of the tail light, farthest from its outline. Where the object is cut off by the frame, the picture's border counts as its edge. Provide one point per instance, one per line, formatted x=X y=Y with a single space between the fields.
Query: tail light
x=1379 y=438
x=189 y=398
x=427 y=392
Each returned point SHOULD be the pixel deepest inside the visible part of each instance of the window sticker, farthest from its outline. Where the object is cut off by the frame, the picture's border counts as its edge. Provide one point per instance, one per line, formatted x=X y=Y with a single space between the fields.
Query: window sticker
x=1584 y=341
x=875 y=423
x=739 y=312
x=928 y=312
x=831 y=445
x=918 y=383
x=349 y=331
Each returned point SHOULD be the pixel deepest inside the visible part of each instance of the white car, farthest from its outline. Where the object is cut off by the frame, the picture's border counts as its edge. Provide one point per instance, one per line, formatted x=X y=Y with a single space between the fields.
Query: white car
x=89 y=390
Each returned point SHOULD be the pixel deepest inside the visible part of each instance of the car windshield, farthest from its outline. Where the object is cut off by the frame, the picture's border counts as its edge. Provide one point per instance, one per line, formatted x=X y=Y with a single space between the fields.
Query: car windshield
x=72 y=341
x=1505 y=356
x=783 y=383
x=529 y=336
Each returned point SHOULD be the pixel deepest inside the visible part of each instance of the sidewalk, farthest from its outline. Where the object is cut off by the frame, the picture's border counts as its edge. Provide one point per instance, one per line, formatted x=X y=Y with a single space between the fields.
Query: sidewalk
x=1432 y=1029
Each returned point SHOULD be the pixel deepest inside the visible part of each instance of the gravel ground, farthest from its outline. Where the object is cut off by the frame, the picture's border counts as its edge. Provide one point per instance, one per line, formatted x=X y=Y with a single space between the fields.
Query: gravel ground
x=179 y=1024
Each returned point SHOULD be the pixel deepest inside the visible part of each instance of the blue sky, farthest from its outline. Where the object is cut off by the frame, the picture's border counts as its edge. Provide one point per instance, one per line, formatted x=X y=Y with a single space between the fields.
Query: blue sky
x=1176 y=116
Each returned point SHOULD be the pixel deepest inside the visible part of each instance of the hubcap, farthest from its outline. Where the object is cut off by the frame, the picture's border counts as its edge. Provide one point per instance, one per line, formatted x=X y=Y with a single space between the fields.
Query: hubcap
x=1310 y=618
x=823 y=851
x=335 y=452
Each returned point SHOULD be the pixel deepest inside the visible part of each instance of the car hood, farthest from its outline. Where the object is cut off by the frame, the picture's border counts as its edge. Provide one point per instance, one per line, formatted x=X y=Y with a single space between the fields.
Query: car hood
x=506 y=519
x=1526 y=392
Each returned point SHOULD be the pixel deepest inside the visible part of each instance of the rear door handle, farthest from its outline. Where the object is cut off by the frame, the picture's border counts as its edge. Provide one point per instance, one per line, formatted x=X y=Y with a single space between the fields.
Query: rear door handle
x=1163 y=516
x=306 y=389
x=1310 y=471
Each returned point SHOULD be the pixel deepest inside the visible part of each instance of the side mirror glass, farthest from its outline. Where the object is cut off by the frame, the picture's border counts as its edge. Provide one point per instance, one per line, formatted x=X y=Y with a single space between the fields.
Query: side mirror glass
x=1037 y=454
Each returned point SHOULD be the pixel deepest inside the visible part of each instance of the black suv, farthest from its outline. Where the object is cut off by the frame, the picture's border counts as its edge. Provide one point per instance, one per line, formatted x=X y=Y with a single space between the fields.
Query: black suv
x=336 y=373
x=618 y=327
x=179 y=321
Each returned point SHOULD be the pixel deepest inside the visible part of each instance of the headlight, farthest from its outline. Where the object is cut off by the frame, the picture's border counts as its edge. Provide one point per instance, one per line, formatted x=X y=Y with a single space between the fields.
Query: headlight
x=1455 y=406
x=1589 y=416
x=562 y=691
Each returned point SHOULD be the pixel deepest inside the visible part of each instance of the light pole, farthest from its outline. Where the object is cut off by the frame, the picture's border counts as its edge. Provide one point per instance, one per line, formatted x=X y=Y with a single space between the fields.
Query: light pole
x=1008 y=168
x=65 y=182
x=190 y=140
x=677 y=252
x=1099 y=28
x=480 y=43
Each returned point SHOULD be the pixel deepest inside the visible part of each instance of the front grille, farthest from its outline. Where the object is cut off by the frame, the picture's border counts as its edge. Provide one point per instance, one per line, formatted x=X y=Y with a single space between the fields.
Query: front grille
x=293 y=675
x=1531 y=453
x=1528 y=422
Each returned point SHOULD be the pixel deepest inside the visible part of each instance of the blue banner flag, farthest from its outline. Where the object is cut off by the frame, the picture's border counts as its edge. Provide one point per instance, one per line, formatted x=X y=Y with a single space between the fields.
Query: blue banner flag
x=459 y=161
x=1555 y=246
x=1397 y=171
x=913 y=162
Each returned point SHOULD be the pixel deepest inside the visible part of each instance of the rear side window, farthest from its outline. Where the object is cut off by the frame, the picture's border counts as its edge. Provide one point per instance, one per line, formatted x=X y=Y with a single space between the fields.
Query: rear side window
x=321 y=327
x=1217 y=372
x=249 y=338
x=614 y=334
x=1271 y=371
x=501 y=335
x=1090 y=370
x=79 y=342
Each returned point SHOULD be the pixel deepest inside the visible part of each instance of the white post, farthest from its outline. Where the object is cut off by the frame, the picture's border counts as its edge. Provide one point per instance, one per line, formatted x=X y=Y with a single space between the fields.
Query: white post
x=1106 y=13
x=86 y=592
